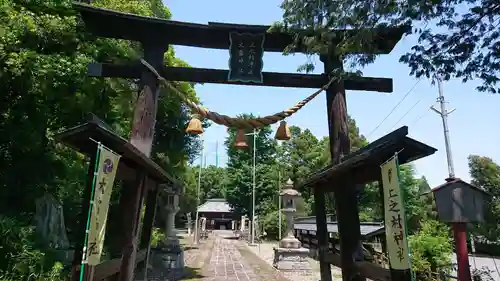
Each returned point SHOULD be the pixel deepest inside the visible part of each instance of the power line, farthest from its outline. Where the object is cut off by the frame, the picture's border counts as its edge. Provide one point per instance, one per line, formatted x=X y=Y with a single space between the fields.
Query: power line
x=416 y=120
x=395 y=107
x=406 y=113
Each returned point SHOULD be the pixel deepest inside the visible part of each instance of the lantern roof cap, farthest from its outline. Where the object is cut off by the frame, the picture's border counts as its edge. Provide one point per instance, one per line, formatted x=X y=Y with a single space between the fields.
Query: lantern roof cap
x=289 y=192
x=288 y=189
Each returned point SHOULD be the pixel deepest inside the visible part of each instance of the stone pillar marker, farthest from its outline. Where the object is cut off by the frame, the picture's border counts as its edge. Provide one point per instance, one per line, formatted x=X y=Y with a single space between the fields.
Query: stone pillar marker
x=255 y=224
x=242 y=225
x=203 y=223
x=290 y=255
x=188 y=216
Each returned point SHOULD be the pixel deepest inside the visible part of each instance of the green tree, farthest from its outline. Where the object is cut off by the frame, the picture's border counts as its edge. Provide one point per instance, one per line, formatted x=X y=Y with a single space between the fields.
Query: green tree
x=427 y=198
x=485 y=174
x=304 y=155
x=265 y=146
x=418 y=208
x=239 y=189
x=213 y=182
x=44 y=53
x=299 y=157
x=240 y=170
x=456 y=38
x=423 y=186
x=188 y=201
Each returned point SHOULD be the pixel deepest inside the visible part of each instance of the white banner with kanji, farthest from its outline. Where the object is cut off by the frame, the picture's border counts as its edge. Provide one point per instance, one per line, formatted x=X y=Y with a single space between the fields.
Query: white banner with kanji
x=395 y=221
x=103 y=187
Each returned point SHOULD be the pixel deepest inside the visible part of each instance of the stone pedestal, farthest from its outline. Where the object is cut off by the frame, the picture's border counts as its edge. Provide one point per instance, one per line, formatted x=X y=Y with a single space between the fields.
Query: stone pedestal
x=289 y=241
x=167 y=257
x=291 y=259
x=290 y=255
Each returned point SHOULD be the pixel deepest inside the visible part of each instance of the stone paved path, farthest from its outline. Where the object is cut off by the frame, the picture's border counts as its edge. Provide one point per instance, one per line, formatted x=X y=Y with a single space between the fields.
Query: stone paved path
x=218 y=258
x=226 y=263
x=232 y=261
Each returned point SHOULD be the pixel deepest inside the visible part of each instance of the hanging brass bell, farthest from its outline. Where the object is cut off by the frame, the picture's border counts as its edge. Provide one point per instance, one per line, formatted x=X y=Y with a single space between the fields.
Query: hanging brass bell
x=240 y=140
x=283 y=132
x=194 y=127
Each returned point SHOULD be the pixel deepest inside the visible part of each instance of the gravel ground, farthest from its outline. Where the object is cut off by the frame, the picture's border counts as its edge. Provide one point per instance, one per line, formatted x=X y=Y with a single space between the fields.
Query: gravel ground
x=481 y=262
x=265 y=252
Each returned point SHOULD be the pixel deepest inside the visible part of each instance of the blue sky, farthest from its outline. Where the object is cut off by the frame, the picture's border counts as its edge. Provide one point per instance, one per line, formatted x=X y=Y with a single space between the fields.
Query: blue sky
x=472 y=125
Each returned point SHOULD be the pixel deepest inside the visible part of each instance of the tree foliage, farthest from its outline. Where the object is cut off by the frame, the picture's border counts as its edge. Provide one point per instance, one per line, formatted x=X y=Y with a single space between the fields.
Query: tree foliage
x=240 y=182
x=455 y=38
x=485 y=174
x=44 y=88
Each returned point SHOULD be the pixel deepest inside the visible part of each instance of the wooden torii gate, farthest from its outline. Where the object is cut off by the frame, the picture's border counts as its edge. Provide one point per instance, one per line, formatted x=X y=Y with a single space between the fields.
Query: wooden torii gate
x=156 y=35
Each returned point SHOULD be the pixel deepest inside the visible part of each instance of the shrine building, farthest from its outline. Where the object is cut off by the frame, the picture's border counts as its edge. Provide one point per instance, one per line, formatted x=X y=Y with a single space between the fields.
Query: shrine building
x=218 y=214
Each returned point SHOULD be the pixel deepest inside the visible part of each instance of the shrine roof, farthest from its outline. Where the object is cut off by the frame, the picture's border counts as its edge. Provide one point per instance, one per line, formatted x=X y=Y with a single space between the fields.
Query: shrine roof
x=458 y=182
x=216 y=205
x=367 y=229
x=83 y=138
x=114 y=24
x=363 y=165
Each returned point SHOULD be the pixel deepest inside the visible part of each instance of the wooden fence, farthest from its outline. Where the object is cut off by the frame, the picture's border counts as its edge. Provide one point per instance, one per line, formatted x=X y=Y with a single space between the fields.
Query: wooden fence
x=373 y=267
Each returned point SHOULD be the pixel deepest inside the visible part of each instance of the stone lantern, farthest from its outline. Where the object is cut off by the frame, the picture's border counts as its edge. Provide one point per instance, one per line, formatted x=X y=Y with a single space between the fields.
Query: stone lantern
x=171 y=210
x=290 y=255
x=289 y=198
x=172 y=253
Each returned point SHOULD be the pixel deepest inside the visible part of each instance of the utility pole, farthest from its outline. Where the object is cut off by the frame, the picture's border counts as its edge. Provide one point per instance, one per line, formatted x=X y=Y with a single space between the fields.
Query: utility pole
x=217 y=154
x=253 y=185
x=279 y=203
x=196 y=223
x=252 y=234
x=459 y=228
x=444 y=116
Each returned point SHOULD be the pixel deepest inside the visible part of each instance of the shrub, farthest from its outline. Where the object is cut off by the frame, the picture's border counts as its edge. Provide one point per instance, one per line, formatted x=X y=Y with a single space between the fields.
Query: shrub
x=157 y=237
x=20 y=259
x=431 y=249
x=271 y=226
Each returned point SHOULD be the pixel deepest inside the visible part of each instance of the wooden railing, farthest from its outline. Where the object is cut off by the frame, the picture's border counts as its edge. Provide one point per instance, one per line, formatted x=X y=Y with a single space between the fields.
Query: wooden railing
x=111 y=268
x=367 y=269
